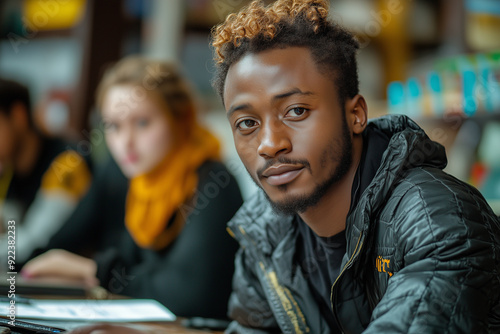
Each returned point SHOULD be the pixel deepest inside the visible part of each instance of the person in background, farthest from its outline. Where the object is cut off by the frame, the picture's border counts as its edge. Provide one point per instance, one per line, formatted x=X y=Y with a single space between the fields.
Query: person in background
x=41 y=179
x=99 y=214
x=174 y=246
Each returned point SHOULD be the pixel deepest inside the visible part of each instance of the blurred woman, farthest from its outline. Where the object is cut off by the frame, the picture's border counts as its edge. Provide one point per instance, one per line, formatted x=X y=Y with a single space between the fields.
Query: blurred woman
x=175 y=247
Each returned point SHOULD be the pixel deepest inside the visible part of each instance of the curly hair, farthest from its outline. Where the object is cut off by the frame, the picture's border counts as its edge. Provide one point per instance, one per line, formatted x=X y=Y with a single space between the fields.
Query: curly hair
x=288 y=23
x=151 y=76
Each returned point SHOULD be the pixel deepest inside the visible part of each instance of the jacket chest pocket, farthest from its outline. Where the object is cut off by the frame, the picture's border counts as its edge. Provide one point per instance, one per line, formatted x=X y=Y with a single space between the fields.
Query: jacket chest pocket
x=384 y=269
x=382 y=258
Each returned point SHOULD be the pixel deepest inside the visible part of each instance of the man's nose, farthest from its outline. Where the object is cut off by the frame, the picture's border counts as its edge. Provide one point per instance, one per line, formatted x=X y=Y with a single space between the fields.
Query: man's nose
x=273 y=140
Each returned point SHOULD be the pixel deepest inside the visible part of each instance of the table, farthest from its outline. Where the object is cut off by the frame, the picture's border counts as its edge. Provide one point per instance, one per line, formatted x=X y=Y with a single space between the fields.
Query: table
x=174 y=327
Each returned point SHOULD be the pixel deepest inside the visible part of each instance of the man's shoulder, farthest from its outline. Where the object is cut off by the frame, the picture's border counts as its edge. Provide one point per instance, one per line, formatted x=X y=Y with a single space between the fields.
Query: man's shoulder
x=428 y=182
x=53 y=147
x=67 y=169
x=257 y=219
x=436 y=199
x=256 y=210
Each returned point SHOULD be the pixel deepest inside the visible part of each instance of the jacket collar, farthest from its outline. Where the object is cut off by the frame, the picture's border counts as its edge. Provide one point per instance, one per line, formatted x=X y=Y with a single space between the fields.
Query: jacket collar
x=256 y=224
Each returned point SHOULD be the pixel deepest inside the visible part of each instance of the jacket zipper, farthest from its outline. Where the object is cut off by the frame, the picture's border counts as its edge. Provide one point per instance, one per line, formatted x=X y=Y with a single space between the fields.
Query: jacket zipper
x=351 y=259
x=263 y=268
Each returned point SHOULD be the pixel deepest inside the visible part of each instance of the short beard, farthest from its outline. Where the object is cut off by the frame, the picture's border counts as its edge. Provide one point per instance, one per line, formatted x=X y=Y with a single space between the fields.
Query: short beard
x=300 y=203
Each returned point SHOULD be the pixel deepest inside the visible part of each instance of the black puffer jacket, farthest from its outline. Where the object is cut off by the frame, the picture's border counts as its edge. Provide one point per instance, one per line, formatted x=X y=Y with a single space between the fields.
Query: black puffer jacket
x=423 y=254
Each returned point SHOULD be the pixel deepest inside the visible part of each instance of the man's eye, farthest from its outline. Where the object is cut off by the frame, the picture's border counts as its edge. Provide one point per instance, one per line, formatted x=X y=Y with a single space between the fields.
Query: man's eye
x=296 y=112
x=246 y=124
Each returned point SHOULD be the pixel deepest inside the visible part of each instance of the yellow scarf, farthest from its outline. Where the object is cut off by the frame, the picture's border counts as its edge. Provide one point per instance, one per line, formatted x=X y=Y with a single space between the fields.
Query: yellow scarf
x=154 y=198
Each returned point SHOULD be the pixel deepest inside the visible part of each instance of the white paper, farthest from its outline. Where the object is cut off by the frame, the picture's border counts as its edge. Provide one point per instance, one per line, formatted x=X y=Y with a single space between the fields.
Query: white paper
x=121 y=310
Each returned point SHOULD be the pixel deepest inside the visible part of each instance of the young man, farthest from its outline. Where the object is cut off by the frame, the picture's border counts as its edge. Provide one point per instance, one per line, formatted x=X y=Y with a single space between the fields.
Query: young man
x=357 y=229
x=41 y=179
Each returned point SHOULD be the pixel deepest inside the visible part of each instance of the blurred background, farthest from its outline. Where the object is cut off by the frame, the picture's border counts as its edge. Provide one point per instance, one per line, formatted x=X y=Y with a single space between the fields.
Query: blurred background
x=437 y=61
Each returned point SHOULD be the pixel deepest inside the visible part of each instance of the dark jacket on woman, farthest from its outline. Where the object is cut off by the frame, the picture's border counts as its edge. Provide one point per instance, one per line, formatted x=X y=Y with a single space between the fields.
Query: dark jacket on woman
x=422 y=254
x=192 y=275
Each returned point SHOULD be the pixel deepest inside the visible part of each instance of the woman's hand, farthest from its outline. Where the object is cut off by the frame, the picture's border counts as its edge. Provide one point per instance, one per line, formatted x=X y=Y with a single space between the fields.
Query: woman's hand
x=107 y=329
x=60 y=264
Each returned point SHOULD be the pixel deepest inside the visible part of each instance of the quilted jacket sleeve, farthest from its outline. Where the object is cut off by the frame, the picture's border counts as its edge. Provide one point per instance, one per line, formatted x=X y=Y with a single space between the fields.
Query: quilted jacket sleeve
x=248 y=306
x=449 y=254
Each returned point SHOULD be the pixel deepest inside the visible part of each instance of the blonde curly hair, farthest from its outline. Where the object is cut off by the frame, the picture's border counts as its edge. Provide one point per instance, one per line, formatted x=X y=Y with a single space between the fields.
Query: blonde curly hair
x=160 y=78
x=287 y=23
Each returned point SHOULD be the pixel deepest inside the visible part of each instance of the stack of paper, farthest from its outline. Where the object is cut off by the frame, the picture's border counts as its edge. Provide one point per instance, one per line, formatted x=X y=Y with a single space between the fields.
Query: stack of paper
x=121 y=310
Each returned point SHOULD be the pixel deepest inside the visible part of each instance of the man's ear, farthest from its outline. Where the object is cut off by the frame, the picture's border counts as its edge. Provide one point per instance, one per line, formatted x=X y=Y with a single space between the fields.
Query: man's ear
x=19 y=116
x=357 y=113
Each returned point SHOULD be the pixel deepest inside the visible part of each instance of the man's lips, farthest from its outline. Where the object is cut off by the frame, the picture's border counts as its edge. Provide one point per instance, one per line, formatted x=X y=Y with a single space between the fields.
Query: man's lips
x=281 y=174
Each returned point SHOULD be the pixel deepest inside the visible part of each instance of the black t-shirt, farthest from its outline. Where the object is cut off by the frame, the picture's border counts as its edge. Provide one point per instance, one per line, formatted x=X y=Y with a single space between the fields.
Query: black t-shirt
x=320 y=258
